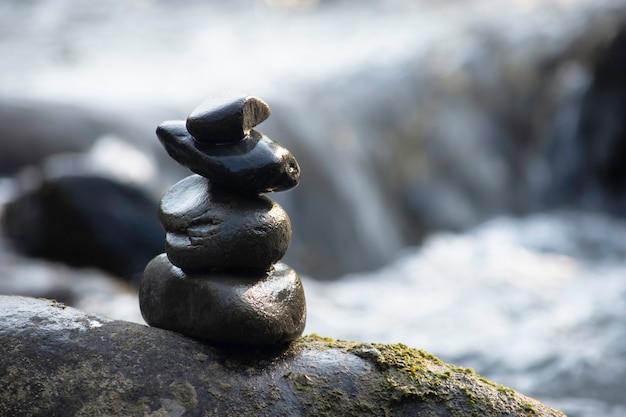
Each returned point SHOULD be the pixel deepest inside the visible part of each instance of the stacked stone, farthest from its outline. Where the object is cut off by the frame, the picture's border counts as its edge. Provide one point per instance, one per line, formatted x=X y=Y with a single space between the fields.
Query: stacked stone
x=221 y=278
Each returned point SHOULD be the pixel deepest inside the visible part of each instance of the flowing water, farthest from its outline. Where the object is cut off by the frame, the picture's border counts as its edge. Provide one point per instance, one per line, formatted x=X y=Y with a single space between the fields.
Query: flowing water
x=534 y=302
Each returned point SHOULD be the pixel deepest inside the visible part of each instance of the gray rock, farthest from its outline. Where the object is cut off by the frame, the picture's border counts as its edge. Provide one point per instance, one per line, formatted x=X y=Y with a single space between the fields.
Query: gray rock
x=55 y=360
x=226 y=118
x=32 y=129
x=254 y=164
x=86 y=221
x=210 y=227
x=266 y=308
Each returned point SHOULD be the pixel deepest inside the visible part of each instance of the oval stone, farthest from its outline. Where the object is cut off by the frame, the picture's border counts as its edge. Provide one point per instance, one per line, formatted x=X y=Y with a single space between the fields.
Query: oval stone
x=226 y=118
x=265 y=309
x=209 y=227
x=255 y=163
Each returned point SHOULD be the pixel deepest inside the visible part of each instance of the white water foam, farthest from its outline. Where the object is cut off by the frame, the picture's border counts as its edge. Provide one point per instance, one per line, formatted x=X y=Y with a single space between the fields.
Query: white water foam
x=528 y=302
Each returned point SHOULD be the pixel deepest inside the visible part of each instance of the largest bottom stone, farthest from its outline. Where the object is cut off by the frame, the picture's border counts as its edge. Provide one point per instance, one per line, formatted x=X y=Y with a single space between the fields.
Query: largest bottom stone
x=263 y=309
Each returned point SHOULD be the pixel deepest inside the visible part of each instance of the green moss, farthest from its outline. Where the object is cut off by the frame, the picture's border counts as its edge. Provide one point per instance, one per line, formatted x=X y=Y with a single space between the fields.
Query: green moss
x=470 y=395
x=410 y=371
x=529 y=408
x=411 y=375
x=446 y=374
x=408 y=374
x=505 y=390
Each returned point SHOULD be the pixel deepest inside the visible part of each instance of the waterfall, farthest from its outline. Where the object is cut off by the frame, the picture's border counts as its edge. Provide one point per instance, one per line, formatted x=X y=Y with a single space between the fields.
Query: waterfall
x=408 y=117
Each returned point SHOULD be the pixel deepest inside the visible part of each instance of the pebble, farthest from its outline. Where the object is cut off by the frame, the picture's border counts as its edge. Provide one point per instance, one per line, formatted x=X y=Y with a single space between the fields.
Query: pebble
x=255 y=164
x=226 y=118
x=209 y=227
x=265 y=309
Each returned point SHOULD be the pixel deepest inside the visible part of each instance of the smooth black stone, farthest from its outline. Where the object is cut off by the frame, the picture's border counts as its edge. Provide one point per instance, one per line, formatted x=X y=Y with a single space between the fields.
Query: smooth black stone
x=256 y=163
x=210 y=227
x=87 y=221
x=226 y=118
x=263 y=309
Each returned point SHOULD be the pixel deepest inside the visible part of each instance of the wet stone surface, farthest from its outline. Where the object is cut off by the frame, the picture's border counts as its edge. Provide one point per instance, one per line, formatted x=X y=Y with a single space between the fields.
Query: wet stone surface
x=226 y=118
x=254 y=164
x=266 y=308
x=208 y=227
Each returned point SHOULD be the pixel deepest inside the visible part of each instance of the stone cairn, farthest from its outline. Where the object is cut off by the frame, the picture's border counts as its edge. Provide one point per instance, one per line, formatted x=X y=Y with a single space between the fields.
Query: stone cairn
x=220 y=279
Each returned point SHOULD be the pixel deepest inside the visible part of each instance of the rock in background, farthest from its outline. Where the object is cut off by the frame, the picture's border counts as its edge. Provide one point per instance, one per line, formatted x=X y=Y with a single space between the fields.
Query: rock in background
x=436 y=117
x=86 y=221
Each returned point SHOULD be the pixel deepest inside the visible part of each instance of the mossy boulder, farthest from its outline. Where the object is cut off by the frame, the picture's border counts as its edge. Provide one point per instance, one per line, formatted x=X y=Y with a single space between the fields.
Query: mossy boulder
x=55 y=360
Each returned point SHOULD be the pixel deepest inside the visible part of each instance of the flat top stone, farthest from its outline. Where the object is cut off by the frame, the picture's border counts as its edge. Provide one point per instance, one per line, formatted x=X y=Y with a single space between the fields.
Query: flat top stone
x=256 y=163
x=226 y=118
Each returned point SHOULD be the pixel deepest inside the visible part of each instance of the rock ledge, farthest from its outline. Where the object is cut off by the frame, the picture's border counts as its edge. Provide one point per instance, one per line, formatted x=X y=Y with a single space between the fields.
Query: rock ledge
x=55 y=360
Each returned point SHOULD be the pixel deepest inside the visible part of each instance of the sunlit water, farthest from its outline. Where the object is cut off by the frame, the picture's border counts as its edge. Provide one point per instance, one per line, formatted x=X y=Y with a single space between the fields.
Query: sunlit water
x=536 y=303
x=159 y=52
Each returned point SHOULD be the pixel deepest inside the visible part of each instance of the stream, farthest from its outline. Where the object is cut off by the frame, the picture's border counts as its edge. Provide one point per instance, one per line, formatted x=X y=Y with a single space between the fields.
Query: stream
x=450 y=199
x=536 y=303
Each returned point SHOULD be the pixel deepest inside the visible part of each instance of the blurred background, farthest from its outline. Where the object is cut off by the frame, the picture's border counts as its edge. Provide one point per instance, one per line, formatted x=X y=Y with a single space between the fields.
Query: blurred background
x=463 y=166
